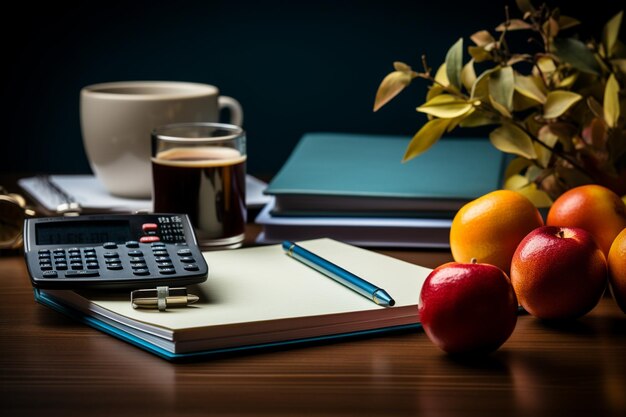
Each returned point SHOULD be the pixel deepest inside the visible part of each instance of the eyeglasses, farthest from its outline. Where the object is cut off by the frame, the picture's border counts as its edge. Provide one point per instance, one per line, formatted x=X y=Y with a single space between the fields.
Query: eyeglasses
x=13 y=211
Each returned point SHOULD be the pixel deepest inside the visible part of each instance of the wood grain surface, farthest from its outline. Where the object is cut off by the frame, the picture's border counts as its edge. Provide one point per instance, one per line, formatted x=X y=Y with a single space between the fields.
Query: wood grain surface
x=53 y=366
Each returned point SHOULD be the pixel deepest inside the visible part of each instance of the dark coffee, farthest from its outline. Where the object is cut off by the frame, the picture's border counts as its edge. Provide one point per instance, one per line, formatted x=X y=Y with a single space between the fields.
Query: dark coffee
x=207 y=183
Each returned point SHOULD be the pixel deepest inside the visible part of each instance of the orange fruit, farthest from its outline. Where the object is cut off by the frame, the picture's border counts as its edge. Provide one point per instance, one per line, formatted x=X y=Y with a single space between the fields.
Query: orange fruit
x=617 y=269
x=591 y=207
x=489 y=228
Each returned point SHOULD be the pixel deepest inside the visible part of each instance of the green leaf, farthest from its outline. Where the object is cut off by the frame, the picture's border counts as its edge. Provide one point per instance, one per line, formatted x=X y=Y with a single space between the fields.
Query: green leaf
x=576 y=53
x=611 y=101
x=558 y=102
x=529 y=87
x=427 y=136
x=468 y=75
x=511 y=139
x=390 y=87
x=610 y=33
x=454 y=62
x=445 y=106
x=501 y=87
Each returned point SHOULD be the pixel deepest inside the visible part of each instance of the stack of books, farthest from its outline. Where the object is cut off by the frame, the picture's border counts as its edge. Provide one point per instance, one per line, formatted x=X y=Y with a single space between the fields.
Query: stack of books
x=354 y=188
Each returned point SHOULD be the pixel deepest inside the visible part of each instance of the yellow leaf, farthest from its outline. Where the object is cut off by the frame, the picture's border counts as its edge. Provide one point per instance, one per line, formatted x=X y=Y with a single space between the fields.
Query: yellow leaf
x=515 y=182
x=482 y=38
x=538 y=197
x=611 y=101
x=468 y=75
x=551 y=27
x=390 y=87
x=511 y=139
x=516 y=166
x=500 y=108
x=521 y=103
x=501 y=87
x=480 y=89
x=567 y=82
x=479 y=53
x=401 y=66
x=566 y=22
x=610 y=33
x=478 y=118
x=527 y=86
x=427 y=136
x=619 y=63
x=525 y=6
x=457 y=120
x=445 y=106
x=513 y=24
x=433 y=91
x=441 y=76
x=558 y=102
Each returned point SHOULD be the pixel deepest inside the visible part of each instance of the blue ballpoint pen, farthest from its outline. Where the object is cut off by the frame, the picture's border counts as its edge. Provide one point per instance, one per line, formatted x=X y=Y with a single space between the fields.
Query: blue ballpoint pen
x=377 y=295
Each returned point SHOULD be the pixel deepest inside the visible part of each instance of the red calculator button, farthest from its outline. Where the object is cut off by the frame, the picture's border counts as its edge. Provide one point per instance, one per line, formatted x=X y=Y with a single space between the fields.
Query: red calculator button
x=149 y=226
x=149 y=239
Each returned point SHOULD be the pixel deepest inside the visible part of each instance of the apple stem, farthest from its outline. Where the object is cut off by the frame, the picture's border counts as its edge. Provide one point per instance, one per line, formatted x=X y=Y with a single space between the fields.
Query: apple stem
x=474 y=261
x=561 y=234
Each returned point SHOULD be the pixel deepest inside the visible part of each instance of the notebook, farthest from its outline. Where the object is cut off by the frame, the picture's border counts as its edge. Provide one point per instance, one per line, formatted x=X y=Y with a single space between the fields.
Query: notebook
x=258 y=297
x=353 y=174
x=90 y=194
x=379 y=232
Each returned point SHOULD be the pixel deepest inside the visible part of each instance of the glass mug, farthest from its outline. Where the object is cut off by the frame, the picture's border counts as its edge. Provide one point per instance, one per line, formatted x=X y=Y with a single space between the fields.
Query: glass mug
x=200 y=169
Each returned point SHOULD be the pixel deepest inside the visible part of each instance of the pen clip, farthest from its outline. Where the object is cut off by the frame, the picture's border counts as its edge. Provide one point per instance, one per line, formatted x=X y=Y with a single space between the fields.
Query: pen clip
x=161 y=298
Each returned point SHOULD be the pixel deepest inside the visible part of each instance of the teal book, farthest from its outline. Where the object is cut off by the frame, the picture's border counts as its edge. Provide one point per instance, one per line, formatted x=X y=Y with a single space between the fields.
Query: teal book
x=362 y=175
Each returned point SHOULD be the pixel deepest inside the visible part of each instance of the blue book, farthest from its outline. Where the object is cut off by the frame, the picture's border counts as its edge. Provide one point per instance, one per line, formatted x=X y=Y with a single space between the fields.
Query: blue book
x=362 y=175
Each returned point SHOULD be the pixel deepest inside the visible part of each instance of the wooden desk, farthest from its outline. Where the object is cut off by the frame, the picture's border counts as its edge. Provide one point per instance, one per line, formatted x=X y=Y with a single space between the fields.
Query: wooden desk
x=53 y=366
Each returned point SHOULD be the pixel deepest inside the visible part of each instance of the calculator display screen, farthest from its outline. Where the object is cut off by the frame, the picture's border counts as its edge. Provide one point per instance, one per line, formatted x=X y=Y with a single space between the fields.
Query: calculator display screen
x=83 y=232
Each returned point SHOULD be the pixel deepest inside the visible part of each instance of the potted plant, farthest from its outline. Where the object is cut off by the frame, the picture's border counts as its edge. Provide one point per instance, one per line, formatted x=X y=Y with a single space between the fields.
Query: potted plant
x=558 y=106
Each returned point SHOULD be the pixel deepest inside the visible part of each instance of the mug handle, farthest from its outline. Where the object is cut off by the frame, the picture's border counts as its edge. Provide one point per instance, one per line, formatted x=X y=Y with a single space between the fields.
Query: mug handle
x=236 y=112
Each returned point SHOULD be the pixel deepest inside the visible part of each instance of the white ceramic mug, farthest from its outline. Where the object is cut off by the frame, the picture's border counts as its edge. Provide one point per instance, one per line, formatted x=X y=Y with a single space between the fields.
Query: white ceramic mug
x=117 y=119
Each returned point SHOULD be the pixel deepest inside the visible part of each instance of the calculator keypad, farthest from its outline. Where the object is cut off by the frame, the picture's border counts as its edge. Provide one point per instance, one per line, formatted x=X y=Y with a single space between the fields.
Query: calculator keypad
x=157 y=253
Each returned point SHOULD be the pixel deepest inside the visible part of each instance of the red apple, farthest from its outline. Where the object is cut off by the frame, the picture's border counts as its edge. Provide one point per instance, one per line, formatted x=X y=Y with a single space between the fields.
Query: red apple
x=558 y=272
x=468 y=308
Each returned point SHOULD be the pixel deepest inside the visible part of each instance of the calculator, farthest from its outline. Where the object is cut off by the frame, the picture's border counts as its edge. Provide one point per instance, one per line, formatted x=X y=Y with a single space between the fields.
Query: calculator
x=113 y=251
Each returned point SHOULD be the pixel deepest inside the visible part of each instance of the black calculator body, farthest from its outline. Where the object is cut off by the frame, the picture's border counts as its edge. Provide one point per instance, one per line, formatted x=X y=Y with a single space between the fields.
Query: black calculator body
x=113 y=251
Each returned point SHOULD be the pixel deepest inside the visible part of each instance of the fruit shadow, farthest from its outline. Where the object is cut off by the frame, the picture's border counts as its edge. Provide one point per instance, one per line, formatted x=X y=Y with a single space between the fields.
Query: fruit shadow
x=588 y=326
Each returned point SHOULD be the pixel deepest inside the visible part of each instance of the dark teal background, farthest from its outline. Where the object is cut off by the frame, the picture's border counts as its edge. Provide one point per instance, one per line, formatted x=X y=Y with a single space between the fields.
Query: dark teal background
x=295 y=66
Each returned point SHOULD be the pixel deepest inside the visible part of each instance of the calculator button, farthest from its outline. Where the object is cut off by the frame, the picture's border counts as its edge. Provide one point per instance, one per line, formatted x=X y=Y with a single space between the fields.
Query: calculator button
x=61 y=266
x=44 y=251
x=135 y=253
x=183 y=252
x=110 y=245
x=92 y=265
x=115 y=266
x=44 y=256
x=137 y=259
x=50 y=274
x=132 y=244
x=165 y=264
x=139 y=266
x=76 y=258
x=149 y=226
x=160 y=253
x=91 y=258
x=191 y=267
x=59 y=251
x=45 y=267
x=142 y=271
x=167 y=271
x=111 y=255
x=90 y=249
x=81 y=274
x=157 y=245
x=149 y=239
x=73 y=250
x=187 y=259
x=162 y=258
x=76 y=267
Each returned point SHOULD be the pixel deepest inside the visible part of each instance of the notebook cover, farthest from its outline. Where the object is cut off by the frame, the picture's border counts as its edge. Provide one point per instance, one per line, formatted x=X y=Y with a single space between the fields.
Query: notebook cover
x=359 y=165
